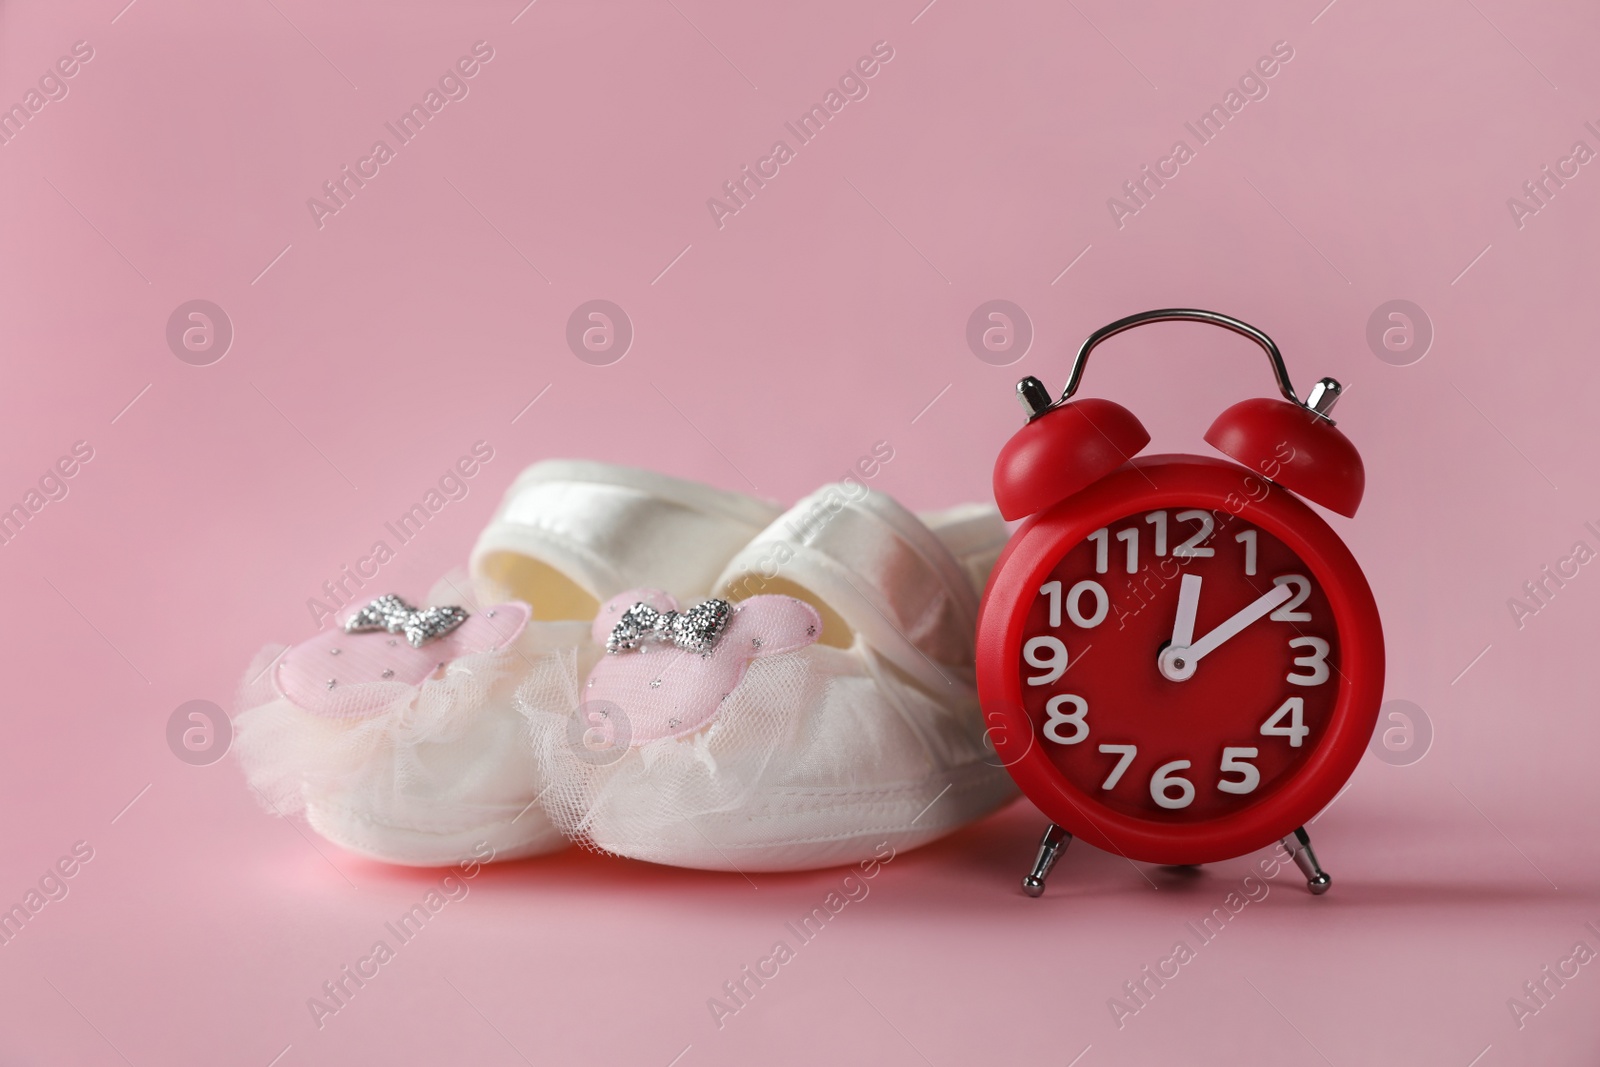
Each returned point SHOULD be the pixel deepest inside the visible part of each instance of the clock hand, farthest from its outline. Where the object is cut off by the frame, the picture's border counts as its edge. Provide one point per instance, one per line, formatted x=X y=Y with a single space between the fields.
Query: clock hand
x=1239 y=620
x=1177 y=663
x=1188 y=604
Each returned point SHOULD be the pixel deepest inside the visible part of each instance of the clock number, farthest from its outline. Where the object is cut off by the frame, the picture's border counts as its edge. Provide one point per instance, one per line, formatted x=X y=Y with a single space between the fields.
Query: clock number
x=1102 y=604
x=1158 y=519
x=1053 y=665
x=1302 y=586
x=1131 y=535
x=1314 y=661
x=1247 y=538
x=1164 y=779
x=1074 y=599
x=1125 y=754
x=1074 y=718
x=1053 y=591
x=1191 y=549
x=1296 y=731
x=1233 y=762
x=1102 y=541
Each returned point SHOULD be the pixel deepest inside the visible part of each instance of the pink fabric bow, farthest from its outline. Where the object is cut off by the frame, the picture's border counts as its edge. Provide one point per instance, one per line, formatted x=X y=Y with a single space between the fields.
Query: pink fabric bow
x=666 y=691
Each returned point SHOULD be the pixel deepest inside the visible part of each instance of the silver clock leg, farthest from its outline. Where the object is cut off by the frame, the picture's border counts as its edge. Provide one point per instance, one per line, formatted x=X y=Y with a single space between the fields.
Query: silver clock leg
x=1298 y=845
x=1051 y=845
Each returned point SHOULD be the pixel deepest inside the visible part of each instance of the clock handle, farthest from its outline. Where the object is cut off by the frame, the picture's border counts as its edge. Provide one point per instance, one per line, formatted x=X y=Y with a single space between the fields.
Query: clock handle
x=1298 y=845
x=1322 y=397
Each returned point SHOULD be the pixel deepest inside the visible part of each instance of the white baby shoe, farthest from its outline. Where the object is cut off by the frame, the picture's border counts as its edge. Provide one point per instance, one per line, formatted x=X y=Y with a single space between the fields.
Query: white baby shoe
x=819 y=705
x=402 y=740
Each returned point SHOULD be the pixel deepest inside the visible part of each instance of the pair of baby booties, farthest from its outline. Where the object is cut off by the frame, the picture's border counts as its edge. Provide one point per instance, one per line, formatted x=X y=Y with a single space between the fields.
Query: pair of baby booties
x=596 y=691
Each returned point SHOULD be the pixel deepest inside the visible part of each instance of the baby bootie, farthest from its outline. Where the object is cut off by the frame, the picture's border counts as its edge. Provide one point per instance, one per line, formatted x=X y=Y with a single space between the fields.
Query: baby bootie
x=398 y=734
x=818 y=705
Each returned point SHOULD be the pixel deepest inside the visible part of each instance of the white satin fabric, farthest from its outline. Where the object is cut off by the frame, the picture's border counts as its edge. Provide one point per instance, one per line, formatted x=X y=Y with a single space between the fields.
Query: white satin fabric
x=607 y=528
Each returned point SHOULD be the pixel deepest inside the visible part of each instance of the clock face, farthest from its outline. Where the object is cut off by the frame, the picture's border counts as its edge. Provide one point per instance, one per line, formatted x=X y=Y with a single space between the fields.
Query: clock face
x=1179 y=664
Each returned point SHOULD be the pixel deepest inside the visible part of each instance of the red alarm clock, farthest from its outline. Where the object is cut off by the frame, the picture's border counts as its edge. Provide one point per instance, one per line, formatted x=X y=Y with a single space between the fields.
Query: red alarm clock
x=1178 y=659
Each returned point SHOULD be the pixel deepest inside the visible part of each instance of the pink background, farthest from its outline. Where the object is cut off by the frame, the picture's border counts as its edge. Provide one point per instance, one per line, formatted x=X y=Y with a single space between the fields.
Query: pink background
x=825 y=316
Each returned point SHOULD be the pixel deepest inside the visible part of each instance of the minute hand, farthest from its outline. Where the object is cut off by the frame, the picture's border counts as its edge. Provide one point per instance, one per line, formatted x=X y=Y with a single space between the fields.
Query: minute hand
x=1238 y=621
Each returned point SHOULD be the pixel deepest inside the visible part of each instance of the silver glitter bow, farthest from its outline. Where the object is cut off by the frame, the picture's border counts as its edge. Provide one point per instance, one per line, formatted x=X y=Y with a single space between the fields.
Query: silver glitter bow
x=420 y=625
x=694 y=630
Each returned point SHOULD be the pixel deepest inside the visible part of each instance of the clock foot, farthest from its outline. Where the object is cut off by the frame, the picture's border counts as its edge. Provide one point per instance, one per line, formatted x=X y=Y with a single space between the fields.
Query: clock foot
x=1298 y=845
x=1051 y=845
